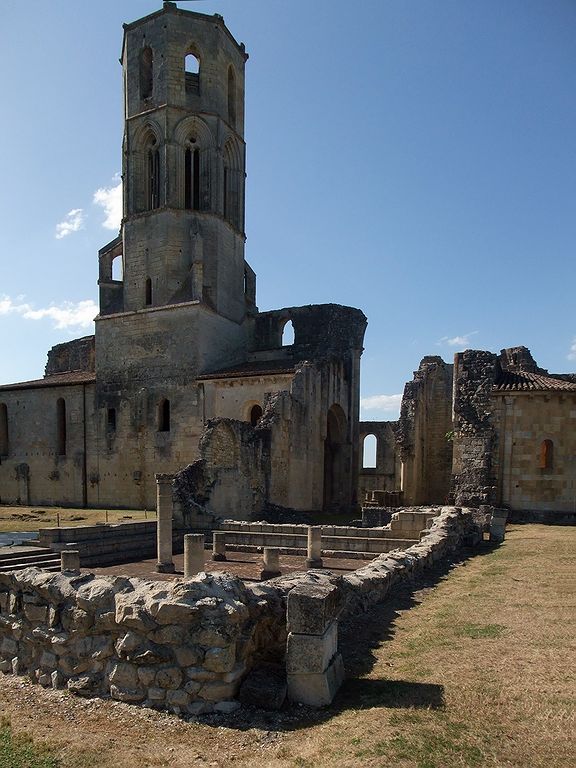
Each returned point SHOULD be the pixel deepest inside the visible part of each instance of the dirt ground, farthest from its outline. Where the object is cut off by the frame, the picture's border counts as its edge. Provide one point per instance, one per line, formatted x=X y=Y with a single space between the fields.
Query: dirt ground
x=472 y=667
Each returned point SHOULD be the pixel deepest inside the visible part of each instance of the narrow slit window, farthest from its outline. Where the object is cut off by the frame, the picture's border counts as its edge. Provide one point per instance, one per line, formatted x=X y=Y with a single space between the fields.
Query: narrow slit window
x=192 y=178
x=148 y=292
x=192 y=73
x=547 y=455
x=153 y=178
x=146 y=72
x=61 y=427
x=231 y=97
x=164 y=416
x=4 y=441
x=111 y=422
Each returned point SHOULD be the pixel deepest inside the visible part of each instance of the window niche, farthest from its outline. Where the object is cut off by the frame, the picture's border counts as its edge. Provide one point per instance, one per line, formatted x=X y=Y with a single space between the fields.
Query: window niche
x=192 y=175
x=547 y=456
x=192 y=73
x=255 y=414
x=231 y=97
x=61 y=427
x=4 y=438
x=146 y=72
x=111 y=420
x=153 y=175
x=164 y=416
x=369 y=450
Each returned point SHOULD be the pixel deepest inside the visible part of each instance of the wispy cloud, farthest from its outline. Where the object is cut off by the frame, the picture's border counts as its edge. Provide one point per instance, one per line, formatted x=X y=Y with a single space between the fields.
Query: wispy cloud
x=67 y=315
x=110 y=200
x=457 y=341
x=572 y=352
x=384 y=404
x=73 y=221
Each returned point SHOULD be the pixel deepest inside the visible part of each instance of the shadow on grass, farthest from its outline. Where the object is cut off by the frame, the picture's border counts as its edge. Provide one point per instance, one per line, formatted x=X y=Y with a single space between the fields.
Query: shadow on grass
x=363 y=693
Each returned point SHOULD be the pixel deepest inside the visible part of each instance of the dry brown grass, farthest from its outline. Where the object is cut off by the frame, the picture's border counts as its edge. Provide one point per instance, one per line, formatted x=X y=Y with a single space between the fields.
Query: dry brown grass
x=33 y=518
x=475 y=671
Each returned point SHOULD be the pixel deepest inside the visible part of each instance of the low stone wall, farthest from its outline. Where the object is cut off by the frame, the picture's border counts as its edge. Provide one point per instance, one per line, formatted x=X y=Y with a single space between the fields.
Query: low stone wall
x=186 y=645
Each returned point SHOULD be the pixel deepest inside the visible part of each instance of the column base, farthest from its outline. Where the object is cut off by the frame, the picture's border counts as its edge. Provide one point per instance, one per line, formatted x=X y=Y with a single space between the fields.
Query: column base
x=218 y=558
x=313 y=563
x=165 y=567
x=265 y=575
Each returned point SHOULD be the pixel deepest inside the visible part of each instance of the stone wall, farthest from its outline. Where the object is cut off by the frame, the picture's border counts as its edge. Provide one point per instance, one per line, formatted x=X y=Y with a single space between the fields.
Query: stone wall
x=385 y=476
x=76 y=355
x=187 y=645
x=475 y=437
x=423 y=433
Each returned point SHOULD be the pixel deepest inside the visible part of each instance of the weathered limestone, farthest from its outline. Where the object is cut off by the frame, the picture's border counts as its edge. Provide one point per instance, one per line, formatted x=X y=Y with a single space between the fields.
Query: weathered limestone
x=314 y=557
x=70 y=561
x=314 y=667
x=271 y=567
x=498 y=525
x=193 y=554
x=218 y=546
x=164 y=523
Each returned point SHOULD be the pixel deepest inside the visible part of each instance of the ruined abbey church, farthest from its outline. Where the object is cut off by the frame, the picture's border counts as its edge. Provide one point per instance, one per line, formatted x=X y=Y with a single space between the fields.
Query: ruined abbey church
x=184 y=371
x=179 y=344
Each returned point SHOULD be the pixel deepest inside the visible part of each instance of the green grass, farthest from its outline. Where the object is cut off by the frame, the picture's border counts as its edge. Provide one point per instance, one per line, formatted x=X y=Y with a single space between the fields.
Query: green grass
x=20 y=752
x=479 y=631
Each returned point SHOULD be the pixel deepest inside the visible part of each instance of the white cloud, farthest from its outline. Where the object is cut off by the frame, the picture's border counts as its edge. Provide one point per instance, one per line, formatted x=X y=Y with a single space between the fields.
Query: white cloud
x=72 y=223
x=457 y=341
x=67 y=315
x=385 y=404
x=110 y=200
x=572 y=353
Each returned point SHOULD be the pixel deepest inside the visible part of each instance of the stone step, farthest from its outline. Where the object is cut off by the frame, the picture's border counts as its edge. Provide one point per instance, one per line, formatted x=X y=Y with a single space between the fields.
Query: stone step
x=18 y=559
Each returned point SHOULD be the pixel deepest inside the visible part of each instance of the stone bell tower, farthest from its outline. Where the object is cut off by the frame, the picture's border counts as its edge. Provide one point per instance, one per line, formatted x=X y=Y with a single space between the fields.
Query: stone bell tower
x=182 y=238
x=183 y=162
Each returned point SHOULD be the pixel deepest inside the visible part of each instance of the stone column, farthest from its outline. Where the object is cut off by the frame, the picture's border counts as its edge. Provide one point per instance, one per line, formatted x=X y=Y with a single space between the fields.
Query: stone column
x=193 y=554
x=164 y=523
x=498 y=525
x=314 y=667
x=70 y=561
x=218 y=546
x=271 y=563
x=314 y=559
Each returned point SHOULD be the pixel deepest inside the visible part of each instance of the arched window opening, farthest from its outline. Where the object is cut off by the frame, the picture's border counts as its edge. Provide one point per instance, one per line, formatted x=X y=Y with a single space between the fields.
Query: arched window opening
x=148 y=292
x=192 y=177
x=255 y=414
x=233 y=185
x=164 y=416
x=153 y=187
x=111 y=420
x=288 y=334
x=369 y=448
x=117 y=269
x=192 y=73
x=61 y=427
x=547 y=454
x=4 y=443
x=231 y=97
x=146 y=72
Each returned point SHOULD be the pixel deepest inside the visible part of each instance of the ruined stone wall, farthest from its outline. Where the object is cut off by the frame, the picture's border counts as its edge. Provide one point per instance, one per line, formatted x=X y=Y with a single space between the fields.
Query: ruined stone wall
x=423 y=433
x=183 y=646
x=385 y=476
x=475 y=435
x=76 y=355
x=524 y=421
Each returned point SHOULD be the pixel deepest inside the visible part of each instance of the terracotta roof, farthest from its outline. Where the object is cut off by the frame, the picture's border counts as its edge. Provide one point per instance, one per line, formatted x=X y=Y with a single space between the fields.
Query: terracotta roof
x=256 y=368
x=67 y=379
x=523 y=381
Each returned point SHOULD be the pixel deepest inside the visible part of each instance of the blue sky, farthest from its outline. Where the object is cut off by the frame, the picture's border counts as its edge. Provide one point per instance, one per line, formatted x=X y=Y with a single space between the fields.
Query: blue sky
x=413 y=158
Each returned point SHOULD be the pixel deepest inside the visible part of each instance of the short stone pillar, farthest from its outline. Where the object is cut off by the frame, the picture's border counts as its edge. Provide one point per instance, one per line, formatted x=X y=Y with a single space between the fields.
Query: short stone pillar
x=271 y=563
x=70 y=561
x=218 y=546
x=165 y=563
x=314 y=558
x=314 y=668
x=498 y=525
x=193 y=554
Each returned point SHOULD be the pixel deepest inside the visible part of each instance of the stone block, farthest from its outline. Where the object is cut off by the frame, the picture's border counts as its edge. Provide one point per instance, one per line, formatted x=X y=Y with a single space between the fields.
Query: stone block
x=129 y=695
x=317 y=690
x=312 y=607
x=177 y=699
x=170 y=678
x=220 y=659
x=187 y=656
x=311 y=654
x=218 y=691
x=124 y=675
